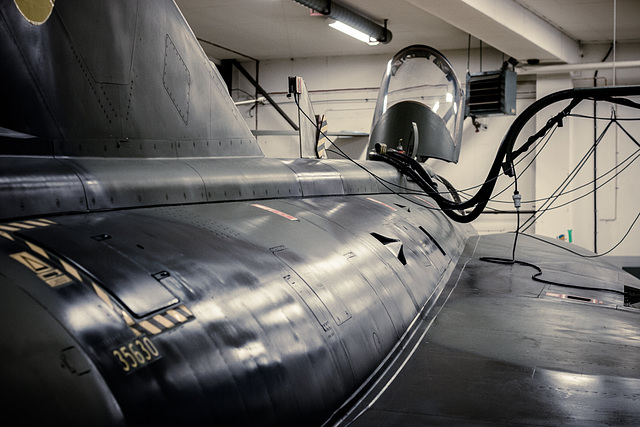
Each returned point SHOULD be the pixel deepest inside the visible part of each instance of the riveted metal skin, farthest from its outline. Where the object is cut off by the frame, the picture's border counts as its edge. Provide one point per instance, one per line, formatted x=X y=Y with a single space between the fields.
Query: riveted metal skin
x=107 y=73
x=282 y=312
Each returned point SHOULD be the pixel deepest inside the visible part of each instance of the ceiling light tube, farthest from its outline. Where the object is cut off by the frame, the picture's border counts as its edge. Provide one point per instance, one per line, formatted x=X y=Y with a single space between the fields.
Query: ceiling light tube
x=335 y=10
x=356 y=34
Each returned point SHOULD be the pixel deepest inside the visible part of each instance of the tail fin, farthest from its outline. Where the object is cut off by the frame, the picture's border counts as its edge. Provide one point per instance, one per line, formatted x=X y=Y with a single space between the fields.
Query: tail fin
x=92 y=74
x=323 y=141
x=313 y=128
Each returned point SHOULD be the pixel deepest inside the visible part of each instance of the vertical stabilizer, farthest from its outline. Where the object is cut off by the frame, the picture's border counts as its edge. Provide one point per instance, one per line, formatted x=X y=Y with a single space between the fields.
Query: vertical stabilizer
x=90 y=74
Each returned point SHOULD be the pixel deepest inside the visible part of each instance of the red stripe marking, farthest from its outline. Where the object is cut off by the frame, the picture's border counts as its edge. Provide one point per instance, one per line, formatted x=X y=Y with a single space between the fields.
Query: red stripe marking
x=425 y=201
x=275 y=211
x=383 y=204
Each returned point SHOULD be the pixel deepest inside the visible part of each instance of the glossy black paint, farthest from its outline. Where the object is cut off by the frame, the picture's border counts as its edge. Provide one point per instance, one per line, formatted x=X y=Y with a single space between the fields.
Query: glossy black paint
x=288 y=316
x=156 y=269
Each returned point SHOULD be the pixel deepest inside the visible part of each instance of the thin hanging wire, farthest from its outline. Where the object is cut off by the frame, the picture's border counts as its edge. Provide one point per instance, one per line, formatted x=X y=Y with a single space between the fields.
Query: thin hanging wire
x=615 y=9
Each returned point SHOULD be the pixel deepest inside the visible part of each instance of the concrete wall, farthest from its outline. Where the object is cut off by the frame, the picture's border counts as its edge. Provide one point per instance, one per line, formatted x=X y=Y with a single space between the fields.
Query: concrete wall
x=344 y=89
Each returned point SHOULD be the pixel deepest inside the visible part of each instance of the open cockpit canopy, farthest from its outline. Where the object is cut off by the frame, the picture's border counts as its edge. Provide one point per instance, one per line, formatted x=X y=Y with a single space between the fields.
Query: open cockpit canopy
x=420 y=106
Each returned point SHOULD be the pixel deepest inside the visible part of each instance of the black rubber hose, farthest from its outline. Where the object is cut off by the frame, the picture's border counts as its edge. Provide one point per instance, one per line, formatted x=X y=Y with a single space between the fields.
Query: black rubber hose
x=413 y=169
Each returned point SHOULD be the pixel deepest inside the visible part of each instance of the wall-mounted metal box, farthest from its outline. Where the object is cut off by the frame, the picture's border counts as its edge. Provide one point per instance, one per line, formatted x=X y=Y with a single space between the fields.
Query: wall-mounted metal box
x=491 y=93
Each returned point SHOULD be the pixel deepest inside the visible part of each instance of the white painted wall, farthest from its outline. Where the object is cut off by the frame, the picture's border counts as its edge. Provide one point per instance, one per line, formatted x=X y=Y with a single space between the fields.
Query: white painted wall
x=344 y=89
x=617 y=201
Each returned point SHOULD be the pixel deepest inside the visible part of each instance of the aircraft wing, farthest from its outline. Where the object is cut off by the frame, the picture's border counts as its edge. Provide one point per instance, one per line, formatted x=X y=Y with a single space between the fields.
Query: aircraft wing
x=500 y=348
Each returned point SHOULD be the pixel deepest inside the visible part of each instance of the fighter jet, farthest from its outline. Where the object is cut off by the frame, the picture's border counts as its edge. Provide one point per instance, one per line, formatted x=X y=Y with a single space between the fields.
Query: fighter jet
x=157 y=269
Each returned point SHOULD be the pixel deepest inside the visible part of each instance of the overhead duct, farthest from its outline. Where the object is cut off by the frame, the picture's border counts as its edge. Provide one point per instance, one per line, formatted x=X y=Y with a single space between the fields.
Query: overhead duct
x=340 y=13
x=565 y=68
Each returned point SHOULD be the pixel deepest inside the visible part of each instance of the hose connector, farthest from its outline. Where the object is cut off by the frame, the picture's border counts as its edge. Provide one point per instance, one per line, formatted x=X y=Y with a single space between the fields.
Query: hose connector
x=517 y=198
x=380 y=148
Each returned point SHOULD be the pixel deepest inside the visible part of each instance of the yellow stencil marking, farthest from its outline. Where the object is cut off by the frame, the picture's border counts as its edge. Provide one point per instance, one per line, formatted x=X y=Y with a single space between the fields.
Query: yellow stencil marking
x=150 y=327
x=7 y=235
x=51 y=276
x=31 y=262
x=72 y=271
x=38 y=250
x=186 y=310
x=102 y=294
x=37 y=223
x=21 y=225
x=163 y=321
x=178 y=316
x=128 y=320
x=8 y=228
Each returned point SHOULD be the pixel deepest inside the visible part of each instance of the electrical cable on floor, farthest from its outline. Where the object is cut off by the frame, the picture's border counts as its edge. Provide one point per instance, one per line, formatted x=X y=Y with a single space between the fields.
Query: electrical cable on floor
x=536 y=277
x=517 y=202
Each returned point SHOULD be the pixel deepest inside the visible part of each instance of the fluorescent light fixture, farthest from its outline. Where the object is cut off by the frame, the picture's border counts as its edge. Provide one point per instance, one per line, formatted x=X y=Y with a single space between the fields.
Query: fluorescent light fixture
x=356 y=34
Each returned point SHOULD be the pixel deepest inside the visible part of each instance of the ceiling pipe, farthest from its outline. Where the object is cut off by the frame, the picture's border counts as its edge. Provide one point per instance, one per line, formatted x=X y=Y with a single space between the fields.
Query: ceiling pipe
x=565 y=68
x=340 y=13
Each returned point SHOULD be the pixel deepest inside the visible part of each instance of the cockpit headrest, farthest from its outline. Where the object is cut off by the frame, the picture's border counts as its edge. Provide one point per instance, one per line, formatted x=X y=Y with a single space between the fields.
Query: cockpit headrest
x=420 y=106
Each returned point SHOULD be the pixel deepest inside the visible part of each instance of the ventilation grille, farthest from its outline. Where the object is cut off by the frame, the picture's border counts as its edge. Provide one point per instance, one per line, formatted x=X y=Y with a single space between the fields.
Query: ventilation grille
x=491 y=93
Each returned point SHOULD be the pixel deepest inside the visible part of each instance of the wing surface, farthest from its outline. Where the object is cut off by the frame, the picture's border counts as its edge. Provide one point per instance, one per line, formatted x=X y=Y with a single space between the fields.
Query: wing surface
x=500 y=348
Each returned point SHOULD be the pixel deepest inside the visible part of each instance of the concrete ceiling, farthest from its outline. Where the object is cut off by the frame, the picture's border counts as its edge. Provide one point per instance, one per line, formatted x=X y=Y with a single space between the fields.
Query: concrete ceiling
x=548 y=30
